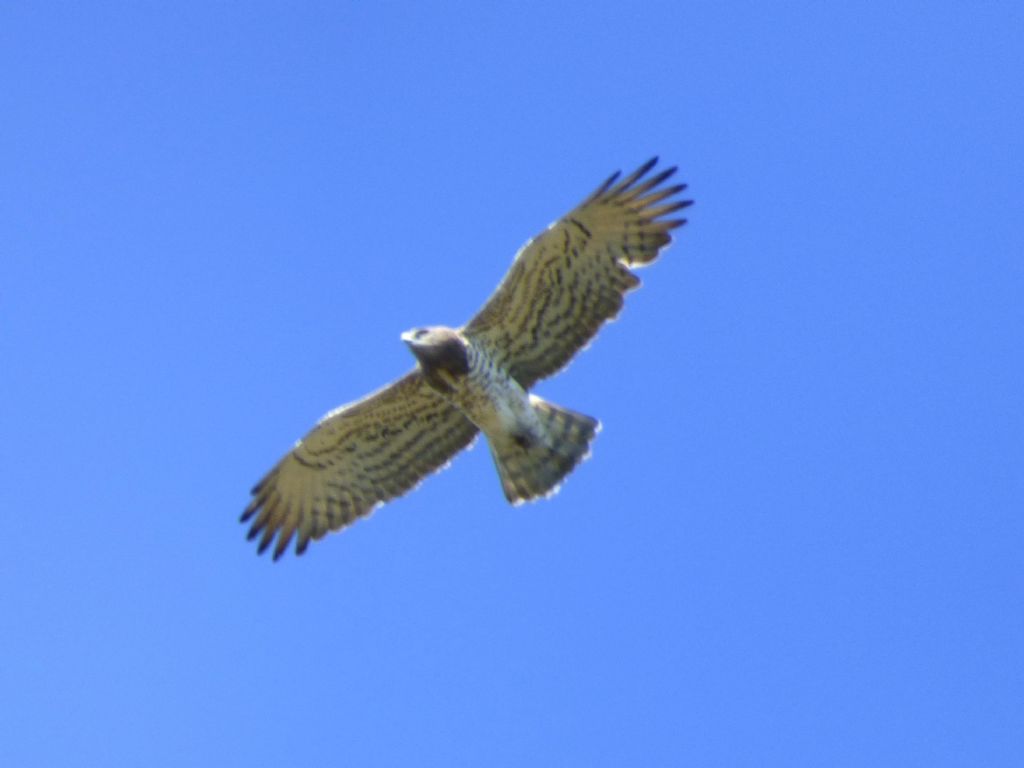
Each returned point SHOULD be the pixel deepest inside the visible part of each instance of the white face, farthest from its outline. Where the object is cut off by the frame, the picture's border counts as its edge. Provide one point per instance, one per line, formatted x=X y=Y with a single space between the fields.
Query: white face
x=430 y=336
x=414 y=336
x=438 y=348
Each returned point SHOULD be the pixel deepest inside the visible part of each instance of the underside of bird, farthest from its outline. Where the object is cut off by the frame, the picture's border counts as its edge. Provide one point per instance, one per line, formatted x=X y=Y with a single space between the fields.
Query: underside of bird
x=563 y=285
x=532 y=466
x=535 y=444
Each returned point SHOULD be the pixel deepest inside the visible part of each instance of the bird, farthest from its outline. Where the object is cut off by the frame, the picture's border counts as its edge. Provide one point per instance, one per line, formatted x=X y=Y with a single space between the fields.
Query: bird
x=563 y=285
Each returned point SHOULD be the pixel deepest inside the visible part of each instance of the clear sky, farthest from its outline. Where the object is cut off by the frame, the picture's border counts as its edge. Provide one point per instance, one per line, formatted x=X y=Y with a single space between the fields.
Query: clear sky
x=798 y=541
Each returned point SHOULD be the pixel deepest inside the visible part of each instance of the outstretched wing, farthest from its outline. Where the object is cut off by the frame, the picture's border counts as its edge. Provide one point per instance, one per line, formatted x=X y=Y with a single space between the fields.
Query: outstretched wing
x=354 y=459
x=565 y=283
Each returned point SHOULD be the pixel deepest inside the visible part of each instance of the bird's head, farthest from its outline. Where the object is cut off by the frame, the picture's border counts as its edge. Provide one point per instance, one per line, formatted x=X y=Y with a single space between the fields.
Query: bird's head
x=439 y=349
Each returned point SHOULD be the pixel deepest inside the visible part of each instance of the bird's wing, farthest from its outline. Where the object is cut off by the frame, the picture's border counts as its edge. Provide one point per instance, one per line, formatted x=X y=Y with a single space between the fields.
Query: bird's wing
x=354 y=459
x=565 y=283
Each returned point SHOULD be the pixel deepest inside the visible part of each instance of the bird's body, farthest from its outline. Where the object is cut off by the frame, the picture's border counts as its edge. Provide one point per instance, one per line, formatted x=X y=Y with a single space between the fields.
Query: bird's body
x=562 y=287
x=534 y=443
x=472 y=381
x=493 y=400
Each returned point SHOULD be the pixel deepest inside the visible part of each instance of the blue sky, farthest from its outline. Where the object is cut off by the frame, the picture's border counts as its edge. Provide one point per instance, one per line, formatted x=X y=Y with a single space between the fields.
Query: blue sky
x=798 y=541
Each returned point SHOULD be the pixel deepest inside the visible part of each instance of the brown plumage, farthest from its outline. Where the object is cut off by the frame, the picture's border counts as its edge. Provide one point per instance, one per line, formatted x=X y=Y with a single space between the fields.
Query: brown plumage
x=563 y=285
x=354 y=459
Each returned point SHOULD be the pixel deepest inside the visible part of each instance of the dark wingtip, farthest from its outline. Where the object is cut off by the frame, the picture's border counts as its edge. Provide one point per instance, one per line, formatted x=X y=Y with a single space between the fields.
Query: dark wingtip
x=605 y=186
x=639 y=173
x=283 y=541
x=676 y=206
x=262 y=547
x=662 y=176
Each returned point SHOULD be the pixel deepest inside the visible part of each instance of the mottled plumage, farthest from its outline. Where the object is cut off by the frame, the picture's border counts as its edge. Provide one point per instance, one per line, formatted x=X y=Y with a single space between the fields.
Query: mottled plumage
x=563 y=285
x=355 y=458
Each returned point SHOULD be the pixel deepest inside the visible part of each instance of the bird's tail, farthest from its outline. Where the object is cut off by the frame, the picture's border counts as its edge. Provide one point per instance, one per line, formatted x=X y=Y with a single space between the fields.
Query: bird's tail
x=536 y=465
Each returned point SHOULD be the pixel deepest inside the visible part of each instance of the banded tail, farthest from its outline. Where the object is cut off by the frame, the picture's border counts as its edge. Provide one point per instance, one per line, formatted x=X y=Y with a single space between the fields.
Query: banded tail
x=535 y=466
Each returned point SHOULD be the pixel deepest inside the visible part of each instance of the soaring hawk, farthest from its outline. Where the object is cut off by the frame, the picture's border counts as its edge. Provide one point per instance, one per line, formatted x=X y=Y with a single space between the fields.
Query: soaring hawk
x=563 y=285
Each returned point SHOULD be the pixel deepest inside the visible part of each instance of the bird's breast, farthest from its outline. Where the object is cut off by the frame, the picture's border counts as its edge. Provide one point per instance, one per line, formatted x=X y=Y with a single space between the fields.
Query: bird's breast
x=492 y=399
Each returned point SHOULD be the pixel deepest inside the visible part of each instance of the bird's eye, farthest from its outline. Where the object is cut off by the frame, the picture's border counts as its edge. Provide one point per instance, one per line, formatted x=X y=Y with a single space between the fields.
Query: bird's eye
x=420 y=333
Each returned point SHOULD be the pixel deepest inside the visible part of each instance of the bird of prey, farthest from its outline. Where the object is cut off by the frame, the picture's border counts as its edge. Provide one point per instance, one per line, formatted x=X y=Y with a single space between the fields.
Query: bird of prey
x=562 y=286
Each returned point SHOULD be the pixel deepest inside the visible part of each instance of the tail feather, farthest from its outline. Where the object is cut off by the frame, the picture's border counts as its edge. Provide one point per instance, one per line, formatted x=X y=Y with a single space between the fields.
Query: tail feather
x=535 y=465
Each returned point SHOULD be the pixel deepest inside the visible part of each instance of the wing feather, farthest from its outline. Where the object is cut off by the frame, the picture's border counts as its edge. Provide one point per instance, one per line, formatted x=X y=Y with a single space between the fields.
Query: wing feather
x=353 y=460
x=565 y=283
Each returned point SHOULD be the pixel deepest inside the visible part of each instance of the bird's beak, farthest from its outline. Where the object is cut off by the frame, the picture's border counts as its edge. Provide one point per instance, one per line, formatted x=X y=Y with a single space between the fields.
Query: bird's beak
x=415 y=345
